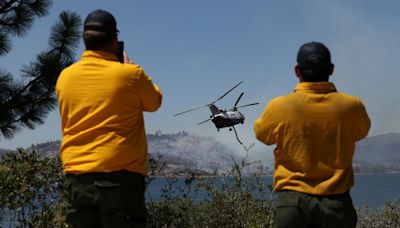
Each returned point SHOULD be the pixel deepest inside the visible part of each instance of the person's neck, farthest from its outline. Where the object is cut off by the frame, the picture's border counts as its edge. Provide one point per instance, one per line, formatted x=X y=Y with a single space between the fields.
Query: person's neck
x=105 y=49
x=301 y=79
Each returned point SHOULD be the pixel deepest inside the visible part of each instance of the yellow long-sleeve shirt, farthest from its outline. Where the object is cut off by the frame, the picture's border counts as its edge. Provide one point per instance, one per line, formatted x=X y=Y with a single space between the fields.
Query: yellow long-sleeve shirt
x=101 y=103
x=315 y=130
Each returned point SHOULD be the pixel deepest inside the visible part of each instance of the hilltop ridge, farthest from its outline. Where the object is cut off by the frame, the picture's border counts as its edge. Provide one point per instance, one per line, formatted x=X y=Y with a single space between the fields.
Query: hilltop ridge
x=183 y=150
x=177 y=151
x=380 y=153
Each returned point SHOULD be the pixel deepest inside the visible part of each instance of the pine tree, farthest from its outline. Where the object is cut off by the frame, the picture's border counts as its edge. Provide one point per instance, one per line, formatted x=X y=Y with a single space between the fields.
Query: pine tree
x=26 y=102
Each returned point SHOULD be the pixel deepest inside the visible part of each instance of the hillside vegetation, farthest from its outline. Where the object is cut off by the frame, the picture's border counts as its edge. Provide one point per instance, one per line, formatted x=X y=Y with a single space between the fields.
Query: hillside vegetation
x=181 y=151
x=31 y=180
x=177 y=151
x=378 y=154
x=31 y=186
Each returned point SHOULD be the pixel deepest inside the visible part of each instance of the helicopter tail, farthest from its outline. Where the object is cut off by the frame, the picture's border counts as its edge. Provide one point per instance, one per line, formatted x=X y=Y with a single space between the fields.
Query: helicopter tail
x=214 y=109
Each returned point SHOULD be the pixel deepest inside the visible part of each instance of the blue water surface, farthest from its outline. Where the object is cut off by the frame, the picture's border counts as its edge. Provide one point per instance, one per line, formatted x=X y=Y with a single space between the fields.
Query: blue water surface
x=375 y=190
x=370 y=190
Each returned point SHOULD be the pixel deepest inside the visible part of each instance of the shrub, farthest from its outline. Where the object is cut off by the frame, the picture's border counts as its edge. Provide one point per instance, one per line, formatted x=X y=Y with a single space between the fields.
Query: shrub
x=231 y=200
x=30 y=196
x=30 y=189
x=386 y=216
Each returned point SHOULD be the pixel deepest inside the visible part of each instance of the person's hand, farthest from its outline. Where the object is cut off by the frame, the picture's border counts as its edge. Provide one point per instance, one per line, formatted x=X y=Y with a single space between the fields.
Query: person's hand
x=126 y=58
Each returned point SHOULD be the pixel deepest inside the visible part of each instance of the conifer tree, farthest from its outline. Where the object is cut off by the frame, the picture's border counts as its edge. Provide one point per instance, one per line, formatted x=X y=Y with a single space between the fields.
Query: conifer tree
x=27 y=101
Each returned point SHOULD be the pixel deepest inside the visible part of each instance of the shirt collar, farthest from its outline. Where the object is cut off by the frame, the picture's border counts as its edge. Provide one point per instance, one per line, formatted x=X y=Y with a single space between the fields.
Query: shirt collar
x=99 y=55
x=315 y=87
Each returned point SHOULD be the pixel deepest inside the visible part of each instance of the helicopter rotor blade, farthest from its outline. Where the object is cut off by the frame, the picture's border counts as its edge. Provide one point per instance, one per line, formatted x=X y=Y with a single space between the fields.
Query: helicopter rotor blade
x=227 y=92
x=247 y=105
x=191 y=110
x=237 y=101
x=203 y=121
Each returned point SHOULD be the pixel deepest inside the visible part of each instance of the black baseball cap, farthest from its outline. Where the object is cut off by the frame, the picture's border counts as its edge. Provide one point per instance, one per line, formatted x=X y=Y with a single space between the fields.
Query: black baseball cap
x=313 y=55
x=101 y=21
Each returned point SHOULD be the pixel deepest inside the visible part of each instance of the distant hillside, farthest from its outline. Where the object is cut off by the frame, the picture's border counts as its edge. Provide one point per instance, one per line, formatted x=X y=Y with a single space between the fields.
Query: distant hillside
x=50 y=148
x=179 y=151
x=379 y=153
x=3 y=151
x=183 y=150
x=45 y=149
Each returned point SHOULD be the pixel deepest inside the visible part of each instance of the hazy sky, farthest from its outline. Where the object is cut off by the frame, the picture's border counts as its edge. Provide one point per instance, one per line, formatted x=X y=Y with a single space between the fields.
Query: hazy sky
x=197 y=50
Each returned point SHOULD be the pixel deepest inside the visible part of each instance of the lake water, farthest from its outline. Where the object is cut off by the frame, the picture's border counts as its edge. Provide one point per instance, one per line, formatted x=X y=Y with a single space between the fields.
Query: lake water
x=371 y=190
x=374 y=190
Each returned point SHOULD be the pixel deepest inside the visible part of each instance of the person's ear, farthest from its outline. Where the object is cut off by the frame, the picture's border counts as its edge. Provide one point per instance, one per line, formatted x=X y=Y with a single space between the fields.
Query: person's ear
x=297 y=71
x=115 y=42
x=113 y=46
x=331 y=69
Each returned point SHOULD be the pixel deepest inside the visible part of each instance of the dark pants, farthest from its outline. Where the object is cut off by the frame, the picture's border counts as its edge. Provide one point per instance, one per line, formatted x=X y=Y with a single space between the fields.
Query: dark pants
x=300 y=210
x=105 y=200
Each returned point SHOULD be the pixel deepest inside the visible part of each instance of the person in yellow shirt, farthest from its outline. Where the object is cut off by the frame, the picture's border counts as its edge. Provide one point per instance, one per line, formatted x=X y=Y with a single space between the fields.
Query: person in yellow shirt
x=104 y=149
x=315 y=130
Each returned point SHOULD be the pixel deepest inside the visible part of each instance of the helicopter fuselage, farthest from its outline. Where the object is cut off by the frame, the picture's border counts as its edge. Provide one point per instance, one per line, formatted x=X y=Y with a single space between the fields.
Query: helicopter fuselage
x=226 y=118
x=221 y=117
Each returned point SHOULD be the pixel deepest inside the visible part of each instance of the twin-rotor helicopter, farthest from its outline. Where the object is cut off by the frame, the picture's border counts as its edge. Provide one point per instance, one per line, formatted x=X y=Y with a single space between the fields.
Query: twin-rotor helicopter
x=224 y=118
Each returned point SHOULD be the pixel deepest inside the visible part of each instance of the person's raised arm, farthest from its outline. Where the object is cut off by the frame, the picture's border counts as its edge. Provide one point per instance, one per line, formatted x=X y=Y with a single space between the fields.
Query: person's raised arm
x=364 y=123
x=149 y=93
x=264 y=127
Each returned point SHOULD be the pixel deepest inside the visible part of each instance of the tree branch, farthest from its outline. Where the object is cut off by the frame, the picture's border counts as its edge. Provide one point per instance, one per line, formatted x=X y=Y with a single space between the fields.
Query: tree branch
x=8 y=4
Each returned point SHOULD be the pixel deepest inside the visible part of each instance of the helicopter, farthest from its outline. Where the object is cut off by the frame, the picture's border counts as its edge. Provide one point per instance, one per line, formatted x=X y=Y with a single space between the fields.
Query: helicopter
x=223 y=118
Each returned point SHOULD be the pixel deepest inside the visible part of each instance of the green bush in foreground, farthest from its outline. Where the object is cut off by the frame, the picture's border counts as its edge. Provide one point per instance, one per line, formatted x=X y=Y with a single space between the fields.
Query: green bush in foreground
x=30 y=189
x=386 y=216
x=232 y=201
x=30 y=197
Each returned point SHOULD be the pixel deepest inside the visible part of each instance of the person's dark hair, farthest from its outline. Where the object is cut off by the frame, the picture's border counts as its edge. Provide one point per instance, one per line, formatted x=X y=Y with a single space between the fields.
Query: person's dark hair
x=100 y=28
x=95 y=40
x=315 y=74
x=314 y=61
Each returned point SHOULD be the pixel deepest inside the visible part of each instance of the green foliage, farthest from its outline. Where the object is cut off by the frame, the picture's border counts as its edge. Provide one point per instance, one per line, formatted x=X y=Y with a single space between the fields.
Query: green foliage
x=30 y=196
x=27 y=102
x=232 y=200
x=29 y=188
x=176 y=212
x=387 y=216
x=17 y=17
